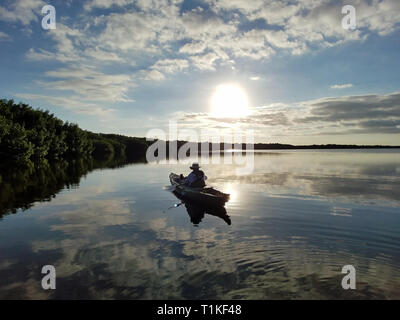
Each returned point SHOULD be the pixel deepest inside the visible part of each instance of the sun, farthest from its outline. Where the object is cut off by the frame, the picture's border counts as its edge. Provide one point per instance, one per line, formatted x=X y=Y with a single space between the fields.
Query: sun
x=229 y=101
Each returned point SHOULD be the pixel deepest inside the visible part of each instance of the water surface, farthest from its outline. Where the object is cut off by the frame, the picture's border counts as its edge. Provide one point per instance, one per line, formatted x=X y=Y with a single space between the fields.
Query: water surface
x=295 y=222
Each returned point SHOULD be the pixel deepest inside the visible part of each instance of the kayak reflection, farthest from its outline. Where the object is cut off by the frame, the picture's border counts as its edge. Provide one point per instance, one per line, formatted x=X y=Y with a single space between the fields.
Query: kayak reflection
x=197 y=212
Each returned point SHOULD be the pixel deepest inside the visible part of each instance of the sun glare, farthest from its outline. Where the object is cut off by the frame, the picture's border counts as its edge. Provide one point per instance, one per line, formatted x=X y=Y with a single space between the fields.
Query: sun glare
x=229 y=189
x=229 y=101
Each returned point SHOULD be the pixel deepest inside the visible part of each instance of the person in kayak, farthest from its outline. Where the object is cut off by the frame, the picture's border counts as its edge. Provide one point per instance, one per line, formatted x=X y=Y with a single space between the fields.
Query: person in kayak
x=197 y=178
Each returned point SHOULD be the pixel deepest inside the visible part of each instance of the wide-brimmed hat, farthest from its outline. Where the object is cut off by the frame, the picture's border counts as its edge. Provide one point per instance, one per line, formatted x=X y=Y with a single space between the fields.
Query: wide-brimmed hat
x=195 y=165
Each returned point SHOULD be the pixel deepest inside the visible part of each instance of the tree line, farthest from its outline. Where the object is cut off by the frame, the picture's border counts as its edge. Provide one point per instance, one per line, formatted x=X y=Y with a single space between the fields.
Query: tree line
x=32 y=135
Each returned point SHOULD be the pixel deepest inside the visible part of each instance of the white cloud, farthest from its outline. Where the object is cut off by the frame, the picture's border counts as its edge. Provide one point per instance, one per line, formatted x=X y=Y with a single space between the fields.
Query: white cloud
x=39 y=55
x=193 y=47
x=367 y=114
x=342 y=86
x=4 y=36
x=105 y=4
x=205 y=62
x=21 y=11
x=91 y=85
x=72 y=45
x=158 y=27
x=67 y=42
x=132 y=31
x=308 y=23
x=149 y=31
x=70 y=103
x=153 y=75
x=171 y=65
x=251 y=44
x=380 y=16
x=103 y=55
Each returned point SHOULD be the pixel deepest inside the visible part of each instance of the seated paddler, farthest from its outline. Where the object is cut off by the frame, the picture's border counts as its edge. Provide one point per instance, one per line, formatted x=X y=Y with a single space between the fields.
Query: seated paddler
x=197 y=178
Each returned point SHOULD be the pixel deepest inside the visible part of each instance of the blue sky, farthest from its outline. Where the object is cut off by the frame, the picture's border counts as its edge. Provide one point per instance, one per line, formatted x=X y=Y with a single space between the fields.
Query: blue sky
x=127 y=66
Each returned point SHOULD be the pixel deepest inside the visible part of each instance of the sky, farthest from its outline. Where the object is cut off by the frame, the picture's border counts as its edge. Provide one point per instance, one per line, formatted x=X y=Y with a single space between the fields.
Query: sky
x=129 y=66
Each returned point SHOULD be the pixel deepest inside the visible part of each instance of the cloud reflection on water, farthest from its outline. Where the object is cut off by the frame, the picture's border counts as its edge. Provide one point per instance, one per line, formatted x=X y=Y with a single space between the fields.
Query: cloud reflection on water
x=115 y=243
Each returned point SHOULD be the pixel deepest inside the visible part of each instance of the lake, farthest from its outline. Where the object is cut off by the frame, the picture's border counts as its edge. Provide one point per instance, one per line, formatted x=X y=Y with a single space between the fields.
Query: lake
x=293 y=224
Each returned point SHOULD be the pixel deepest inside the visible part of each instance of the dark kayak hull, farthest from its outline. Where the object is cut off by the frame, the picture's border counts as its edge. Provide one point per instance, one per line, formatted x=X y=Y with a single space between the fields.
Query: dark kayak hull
x=203 y=196
x=197 y=211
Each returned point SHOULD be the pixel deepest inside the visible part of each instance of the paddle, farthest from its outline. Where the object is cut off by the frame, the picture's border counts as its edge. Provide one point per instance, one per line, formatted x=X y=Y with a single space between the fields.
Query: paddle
x=176 y=205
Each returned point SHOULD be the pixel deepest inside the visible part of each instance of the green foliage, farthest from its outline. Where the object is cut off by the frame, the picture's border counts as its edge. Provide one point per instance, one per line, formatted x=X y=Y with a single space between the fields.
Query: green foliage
x=131 y=147
x=5 y=126
x=77 y=141
x=103 y=149
x=27 y=135
x=14 y=145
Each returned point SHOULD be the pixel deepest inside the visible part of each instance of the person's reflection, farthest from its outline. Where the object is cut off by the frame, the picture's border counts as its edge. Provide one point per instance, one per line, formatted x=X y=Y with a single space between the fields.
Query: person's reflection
x=197 y=212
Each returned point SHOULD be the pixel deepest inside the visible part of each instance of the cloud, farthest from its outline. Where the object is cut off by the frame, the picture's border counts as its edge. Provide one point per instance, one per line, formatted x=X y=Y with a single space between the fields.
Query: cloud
x=72 y=45
x=166 y=38
x=379 y=16
x=259 y=118
x=71 y=103
x=356 y=114
x=342 y=86
x=90 y=84
x=209 y=37
x=210 y=34
x=194 y=47
x=205 y=62
x=355 y=107
x=213 y=32
x=102 y=55
x=171 y=65
x=105 y=4
x=165 y=66
x=331 y=116
x=67 y=48
x=4 y=36
x=380 y=126
x=153 y=75
x=21 y=11
x=39 y=55
x=133 y=31
x=304 y=24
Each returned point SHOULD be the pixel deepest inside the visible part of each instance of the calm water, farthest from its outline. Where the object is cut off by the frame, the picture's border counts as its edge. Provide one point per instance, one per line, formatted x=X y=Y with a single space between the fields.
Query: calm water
x=295 y=222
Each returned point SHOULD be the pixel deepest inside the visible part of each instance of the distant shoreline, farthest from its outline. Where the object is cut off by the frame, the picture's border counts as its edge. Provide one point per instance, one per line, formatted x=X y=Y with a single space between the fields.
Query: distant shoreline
x=262 y=146
x=277 y=146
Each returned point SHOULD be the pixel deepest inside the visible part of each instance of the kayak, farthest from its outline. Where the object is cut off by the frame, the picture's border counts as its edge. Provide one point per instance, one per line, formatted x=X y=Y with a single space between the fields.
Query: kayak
x=204 y=196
